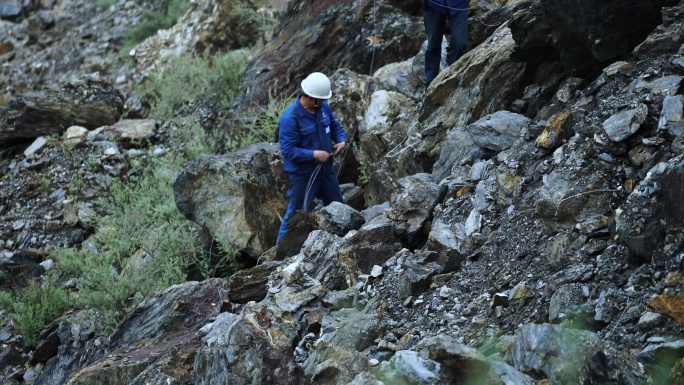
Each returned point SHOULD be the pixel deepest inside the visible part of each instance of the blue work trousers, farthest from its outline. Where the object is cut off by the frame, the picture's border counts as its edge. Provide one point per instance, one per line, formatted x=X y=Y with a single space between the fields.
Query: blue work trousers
x=326 y=188
x=435 y=27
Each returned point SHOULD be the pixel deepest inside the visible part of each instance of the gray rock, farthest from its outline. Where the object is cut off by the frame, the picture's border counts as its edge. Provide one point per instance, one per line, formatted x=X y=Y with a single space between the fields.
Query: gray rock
x=498 y=131
x=625 y=123
x=216 y=332
x=337 y=358
x=10 y=356
x=373 y=244
x=405 y=77
x=509 y=375
x=458 y=361
x=672 y=112
x=10 y=9
x=255 y=341
x=384 y=108
x=650 y=319
x=322 y=261
x=74 y=341
x=339 y=219
x=566 y=302
x=459 y=148
x=560 y=354
x=250 y=284
x=414 y=203
x=36 y=146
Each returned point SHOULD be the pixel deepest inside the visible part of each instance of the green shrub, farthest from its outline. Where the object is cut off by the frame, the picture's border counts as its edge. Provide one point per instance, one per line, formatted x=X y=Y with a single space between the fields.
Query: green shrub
x=164 y=18
x=188 y=79
x=143 y=220
x=35 y=307
x=249 y=17
x=265 y=124
x=363 y=167
x=5 y=159
x=193 y=140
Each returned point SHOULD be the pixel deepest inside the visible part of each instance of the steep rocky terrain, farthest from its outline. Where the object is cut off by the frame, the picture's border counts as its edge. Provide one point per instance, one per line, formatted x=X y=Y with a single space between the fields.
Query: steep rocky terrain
x=520 y=221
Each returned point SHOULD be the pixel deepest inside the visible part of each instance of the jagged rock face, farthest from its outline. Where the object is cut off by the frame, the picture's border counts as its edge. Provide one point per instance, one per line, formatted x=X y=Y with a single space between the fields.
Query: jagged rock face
x=585 y=36
x=325 y=36
x=371 y=245
x=657 y=196
x=590 y=35
x=257 y=350
x=338 y=360
x=231 y=26
x=541 y=342
x=158 y=339
x=68 y=39
x=386 y=144
x=209 y=25
x=90 y=104
x=401 y=146
x=239 y=197
x=72 y=341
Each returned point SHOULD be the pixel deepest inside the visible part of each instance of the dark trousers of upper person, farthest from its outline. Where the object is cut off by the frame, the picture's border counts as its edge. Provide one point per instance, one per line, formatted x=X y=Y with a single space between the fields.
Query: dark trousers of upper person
x=435 y=27
x=325 y=188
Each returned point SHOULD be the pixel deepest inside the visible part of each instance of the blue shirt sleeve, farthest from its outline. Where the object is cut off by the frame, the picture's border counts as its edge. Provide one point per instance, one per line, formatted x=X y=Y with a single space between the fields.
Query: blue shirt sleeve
x=290 y=139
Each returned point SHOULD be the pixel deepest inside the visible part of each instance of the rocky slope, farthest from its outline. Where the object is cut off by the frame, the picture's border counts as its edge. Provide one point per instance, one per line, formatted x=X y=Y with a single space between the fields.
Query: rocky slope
x=521 y=221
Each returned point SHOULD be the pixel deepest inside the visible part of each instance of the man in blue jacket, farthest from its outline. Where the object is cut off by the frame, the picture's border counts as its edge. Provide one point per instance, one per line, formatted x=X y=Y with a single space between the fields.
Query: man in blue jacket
x=436 y=14
x=308 y=130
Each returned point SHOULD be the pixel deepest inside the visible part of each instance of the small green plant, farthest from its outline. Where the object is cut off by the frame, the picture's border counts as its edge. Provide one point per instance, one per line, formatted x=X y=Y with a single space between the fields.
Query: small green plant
x=194 y=139
x=105 y=4
x=165 y=17
x=45 y=183
x=35 y=307
x=4 y=276
x=228 y=263
x=264 y=126
x=5 y=159
x=79 y=181
x=216 y=262
x=363 y=167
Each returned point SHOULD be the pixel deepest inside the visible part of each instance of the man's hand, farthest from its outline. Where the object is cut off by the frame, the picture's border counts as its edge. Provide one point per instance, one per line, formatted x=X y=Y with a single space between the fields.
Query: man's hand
x=321 y=156
x=338 y=148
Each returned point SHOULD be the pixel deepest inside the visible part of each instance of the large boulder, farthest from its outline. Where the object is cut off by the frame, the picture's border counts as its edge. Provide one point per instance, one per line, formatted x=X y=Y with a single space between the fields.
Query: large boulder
x=239 y=197
x=256 y=348
x=87 y=103
x=158 y=338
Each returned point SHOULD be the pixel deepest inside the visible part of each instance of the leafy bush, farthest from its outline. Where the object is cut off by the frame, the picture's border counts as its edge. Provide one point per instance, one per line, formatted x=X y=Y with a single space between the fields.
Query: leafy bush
x=264 y=126
x=143 y=221
x=35 y=307
x=251 y=18
x=188 y=79
x=164 y=18
x=144 y=243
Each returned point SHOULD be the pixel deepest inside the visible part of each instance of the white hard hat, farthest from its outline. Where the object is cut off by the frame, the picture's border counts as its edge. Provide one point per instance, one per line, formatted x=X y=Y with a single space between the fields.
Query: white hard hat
x=317 y=86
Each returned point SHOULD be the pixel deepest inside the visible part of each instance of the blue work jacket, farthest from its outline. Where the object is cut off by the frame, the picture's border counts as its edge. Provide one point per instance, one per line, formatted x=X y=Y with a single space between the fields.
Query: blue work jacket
x=450 y=6
x=302 y=132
